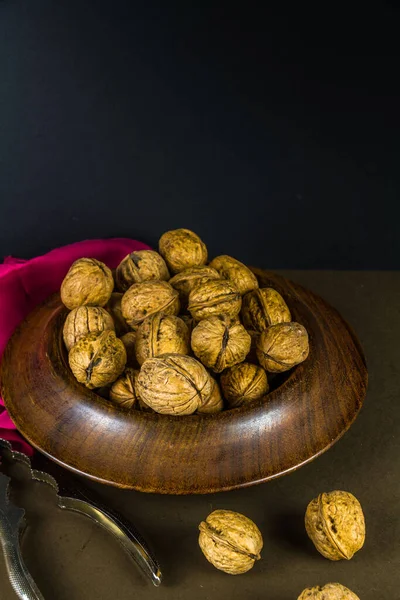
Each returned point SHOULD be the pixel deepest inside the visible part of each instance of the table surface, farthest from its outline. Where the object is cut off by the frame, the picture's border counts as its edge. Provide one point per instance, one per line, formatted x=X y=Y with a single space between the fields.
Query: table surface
x=71 y=558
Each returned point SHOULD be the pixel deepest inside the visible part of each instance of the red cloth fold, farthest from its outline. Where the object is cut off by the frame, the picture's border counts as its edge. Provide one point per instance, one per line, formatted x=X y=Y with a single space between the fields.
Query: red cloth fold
x=26 y=283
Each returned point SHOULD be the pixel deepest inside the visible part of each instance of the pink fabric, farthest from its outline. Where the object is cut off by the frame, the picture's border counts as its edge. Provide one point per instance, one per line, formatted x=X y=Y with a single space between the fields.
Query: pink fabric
x=26 y=283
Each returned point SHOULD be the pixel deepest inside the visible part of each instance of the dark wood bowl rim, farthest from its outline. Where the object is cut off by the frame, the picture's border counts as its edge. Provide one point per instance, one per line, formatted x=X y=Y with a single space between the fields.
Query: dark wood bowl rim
x=293 y=379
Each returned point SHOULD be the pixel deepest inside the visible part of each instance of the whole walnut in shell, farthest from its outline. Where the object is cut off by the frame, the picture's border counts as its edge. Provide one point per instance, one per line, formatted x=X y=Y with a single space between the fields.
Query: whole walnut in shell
x=141 y=265
x=185 y=281
x=161 y=334
x=83 y=320
x=264 y=307
x=148 y=298
x=97 y=359
x=123 y=390
x=129 y=341
x=235 y=271
x=335 y=523
x=88 y=282
x=230 y=541
x=282 y=346
x=182 y=249
x=330 y=591
x=215 y=403
x=220 y=344
x=174 y=384
x=215 y=297
x=113 y=307
x=244 y=383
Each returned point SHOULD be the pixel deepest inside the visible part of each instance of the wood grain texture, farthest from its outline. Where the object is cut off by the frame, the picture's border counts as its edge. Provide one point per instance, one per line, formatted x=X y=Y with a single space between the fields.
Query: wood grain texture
x=296 y=422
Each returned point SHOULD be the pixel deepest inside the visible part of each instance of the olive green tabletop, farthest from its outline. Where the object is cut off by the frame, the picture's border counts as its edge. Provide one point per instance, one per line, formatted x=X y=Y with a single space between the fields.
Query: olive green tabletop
x=71 y=558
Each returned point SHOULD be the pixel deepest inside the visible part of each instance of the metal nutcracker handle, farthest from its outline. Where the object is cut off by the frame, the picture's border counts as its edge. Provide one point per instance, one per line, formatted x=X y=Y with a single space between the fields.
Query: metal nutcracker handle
x=11 y=518
x=76 y=500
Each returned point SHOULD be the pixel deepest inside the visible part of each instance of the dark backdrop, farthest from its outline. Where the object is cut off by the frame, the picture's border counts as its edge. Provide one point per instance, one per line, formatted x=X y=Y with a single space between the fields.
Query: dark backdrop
x=274 y=134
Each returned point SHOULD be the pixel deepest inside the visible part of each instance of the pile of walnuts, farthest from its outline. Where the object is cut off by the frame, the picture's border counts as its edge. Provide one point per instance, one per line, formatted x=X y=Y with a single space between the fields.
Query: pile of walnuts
x=179 y=336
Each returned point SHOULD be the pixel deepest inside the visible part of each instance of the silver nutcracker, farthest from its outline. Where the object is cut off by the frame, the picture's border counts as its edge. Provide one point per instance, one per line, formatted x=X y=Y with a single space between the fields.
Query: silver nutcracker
x=12 y=523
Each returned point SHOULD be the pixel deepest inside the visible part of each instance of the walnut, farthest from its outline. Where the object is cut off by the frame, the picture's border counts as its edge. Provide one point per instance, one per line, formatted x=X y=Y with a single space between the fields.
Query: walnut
x=97 y=359
x=215 y=403
x=182 y=249
x=113 y=307
x=83 y=320
x=161 y=334
x=230 y=541
x=282 y=346
x=129 y=341
x=330 y=591
x=174 y=384
x=141 y=265
x=123 y=390
x=335 y=523
x=235 y=271
x=185 y=281
x=148 y=298
x=88 y=282
x=243 y=383
x=264 y=307
x=220 y=344
x=214 y=298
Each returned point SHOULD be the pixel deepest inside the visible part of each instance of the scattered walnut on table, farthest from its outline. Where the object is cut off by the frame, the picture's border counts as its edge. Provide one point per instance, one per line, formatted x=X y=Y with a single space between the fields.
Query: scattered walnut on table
x=330 y=591
x=335 y=523
x=230 y=541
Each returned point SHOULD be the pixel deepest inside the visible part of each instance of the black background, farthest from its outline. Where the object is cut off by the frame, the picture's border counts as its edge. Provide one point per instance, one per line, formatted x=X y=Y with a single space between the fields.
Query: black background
x=273 y=133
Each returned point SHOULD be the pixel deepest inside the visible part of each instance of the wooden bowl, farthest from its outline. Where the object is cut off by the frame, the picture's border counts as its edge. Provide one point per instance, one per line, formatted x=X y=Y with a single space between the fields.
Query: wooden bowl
x=303 y=417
